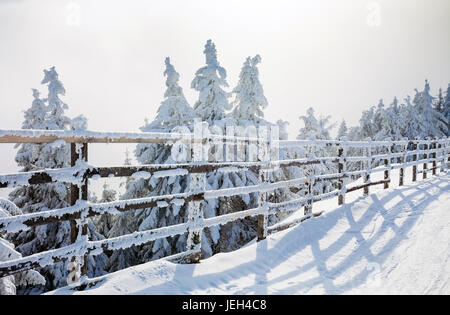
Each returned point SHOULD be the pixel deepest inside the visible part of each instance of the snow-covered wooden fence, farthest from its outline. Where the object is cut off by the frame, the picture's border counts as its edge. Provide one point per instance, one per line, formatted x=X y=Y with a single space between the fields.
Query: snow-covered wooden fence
x=77 y=175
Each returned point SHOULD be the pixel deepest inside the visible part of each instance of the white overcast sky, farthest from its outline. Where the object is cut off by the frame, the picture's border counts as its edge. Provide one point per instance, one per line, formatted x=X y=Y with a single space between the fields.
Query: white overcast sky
x=338 y=56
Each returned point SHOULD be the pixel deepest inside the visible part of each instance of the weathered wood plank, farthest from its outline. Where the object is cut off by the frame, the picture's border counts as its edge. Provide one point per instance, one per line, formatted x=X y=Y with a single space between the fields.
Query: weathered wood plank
x=75 y=212
x=69 y=136
x=46 y=176
x=366 y=185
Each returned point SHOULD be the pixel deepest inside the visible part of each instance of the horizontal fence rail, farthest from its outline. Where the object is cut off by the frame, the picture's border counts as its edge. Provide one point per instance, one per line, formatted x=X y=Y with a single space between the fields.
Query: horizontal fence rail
x=389 y=155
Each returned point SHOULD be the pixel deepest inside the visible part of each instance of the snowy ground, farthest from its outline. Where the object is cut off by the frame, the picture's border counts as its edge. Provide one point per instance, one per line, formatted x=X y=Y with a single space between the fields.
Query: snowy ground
x=395 y=241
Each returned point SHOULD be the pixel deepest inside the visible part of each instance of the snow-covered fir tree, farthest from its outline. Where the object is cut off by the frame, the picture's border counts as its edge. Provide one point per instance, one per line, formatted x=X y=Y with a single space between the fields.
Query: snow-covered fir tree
x=249 y=100
x=367 y=127
x=342 y=132
x=209 y=81
x=127 y=162
x=284 y=173
x=282 y=127
x=446 y=109
x=174 y=113
x=416 y=118
x=316 y=129
x=211 y=108
x=391 y=123
x=379 y=118
x=412 y=120
x=439 y=102
x=104 y=222
x=247 y=116
x=439 y=106
x=433 y=121
x=48 y=114
x=35 y=115
x=354 y=134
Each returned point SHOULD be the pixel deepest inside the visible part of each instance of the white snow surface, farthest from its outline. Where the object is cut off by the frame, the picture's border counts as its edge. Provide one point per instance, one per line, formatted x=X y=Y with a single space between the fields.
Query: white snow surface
x=395 y=241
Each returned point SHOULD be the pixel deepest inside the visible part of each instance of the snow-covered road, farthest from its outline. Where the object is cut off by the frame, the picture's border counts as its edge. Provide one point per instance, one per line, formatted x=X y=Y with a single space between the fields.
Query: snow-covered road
x=394 y=241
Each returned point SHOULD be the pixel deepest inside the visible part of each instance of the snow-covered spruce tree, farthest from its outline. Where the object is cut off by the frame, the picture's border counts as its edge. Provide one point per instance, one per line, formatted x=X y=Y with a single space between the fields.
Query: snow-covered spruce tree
x=127 y=162
x=43 y=197
x=174 y=113
x=8 y=285
x=446 y=109
x=104 y=222
x=396 y=121
x=342 y=132
x=378 y=118
x=413 y=123
x=351 y=134
x=35 y=116
x=439 y=106
x=433 y=121
x=209 y=80
x=249 y=104
x=316 y=129
x=439 y=102
x=249 y=101
x=391 y=123
x=282 y=127
x=384 y=120
x=122 y=224
x=211 y=108
x=354 y=134
x=247 y=115
x=367 y=127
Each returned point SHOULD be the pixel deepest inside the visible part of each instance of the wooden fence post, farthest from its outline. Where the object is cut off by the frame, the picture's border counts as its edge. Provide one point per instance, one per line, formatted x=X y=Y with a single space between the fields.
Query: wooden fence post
x=369 y=166
x=265 y=146
x=414 y=169
x=342 y=169
x=425 y=164
x=79 y=152
x=195 y=218
x=197 y=184
x=309 y=186
x=434 y=155
x=309 y=196
x=262 y=199
x=403 y=161
x=387 y=164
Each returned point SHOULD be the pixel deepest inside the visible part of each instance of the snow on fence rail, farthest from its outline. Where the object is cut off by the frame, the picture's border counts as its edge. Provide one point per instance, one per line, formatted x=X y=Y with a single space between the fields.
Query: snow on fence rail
x=422 y=152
